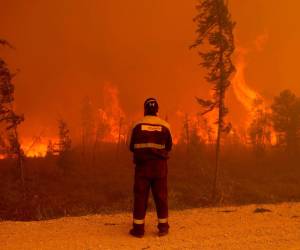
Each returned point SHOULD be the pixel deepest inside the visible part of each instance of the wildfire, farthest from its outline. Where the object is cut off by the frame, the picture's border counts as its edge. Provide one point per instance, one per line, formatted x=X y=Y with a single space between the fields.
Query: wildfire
x=111 y=118
x=197 y=125
x=38 y=150
x=252 y=101
x=245 y=95
x=248 y=97
x=36 y=147
x=111 y=126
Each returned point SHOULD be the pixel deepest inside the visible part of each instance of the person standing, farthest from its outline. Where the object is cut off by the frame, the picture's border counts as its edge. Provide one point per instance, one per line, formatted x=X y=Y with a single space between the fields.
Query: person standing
x=151 y=142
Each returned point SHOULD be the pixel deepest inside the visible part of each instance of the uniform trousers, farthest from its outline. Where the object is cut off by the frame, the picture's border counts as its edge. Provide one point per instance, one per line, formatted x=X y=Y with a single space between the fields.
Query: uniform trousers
x=151 y=175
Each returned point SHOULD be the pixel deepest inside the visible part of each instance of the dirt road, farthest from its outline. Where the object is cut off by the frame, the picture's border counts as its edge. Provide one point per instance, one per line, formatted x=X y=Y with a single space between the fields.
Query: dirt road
x=207 y=228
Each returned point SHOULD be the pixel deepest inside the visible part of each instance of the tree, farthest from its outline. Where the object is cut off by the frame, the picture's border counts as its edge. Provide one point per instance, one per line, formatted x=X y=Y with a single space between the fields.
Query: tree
x=8 y=115
x=50 y=149
x=215 y=36
x=64 y=145
x=186 y=127
x=102 y=128
x=88 y=127
x=121 y=123
x=286 y=119
x=260 y=131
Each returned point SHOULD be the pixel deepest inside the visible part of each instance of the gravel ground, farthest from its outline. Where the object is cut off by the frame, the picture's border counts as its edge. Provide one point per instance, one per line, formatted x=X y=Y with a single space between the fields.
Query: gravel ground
x=204 y=228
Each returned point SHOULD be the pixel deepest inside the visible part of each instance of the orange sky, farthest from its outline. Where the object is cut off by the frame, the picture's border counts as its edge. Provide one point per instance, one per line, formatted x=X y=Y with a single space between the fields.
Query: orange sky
x=68 y=49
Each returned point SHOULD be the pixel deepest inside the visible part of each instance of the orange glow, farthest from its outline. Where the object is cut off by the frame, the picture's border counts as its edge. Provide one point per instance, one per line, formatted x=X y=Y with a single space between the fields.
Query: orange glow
x=204 y=127
x=39 y=150
x=145 y=54
x=245 y=95
x=36 y=147
x=111 y=116
x=248 y=97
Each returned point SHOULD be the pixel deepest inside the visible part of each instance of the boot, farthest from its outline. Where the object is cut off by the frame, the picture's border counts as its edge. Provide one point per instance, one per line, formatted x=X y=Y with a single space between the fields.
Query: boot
x=137 y=230
x=163 y=229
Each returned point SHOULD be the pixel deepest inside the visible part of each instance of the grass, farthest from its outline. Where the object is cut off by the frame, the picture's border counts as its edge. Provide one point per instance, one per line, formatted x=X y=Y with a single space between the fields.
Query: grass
x=104 y=184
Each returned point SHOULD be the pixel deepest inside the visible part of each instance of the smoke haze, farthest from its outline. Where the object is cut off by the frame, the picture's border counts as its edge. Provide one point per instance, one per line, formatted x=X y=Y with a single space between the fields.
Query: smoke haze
x=70 y=49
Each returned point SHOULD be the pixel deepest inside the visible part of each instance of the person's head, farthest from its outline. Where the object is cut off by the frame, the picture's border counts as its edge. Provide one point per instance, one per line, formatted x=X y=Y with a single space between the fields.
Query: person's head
x=150 y=107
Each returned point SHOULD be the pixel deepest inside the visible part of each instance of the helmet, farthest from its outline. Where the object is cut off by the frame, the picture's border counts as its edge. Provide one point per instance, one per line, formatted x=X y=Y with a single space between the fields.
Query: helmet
x=150 y=106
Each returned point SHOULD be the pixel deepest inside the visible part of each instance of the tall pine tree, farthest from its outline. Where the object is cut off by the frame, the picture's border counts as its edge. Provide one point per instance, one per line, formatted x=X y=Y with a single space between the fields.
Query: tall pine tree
x=9 y=117
x=215 y=37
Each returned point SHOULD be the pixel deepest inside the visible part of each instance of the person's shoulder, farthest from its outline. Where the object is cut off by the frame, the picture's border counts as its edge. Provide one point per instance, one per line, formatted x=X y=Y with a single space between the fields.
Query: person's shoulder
x=153 y=120
x=162 y=122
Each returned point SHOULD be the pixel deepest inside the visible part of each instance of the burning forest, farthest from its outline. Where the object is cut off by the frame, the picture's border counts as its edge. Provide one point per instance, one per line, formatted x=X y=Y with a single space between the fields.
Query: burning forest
x=68 y=105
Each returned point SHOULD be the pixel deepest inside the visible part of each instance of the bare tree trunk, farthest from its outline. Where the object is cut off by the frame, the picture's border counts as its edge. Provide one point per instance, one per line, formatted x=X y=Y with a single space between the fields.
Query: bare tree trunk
x=21 y=169
x=20 y=161
x=83 y=153
x=220 y=116
x=187 y=132
x=217 y=159
x=119 y=137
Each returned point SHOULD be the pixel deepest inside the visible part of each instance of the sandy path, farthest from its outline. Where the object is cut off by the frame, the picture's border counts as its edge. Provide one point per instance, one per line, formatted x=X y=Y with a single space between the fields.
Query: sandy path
x=208 y=228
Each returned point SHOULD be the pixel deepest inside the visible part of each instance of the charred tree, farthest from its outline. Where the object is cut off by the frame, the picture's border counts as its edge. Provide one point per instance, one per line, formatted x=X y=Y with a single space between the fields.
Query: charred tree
x=88 y=127
x=187 y=132
x=102 y=129
x=64 y=146
x=9 y=117
x=286 y=120
x=50 y=149
x=119 y=136
x=259 y=131
x=215 y=36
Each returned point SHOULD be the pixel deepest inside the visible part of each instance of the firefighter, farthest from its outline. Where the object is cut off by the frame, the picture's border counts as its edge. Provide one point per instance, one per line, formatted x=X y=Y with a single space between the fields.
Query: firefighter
x=150 y=143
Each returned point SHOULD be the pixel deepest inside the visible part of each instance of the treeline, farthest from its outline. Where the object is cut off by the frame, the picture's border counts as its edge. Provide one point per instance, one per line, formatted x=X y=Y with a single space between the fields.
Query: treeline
x=276 y=127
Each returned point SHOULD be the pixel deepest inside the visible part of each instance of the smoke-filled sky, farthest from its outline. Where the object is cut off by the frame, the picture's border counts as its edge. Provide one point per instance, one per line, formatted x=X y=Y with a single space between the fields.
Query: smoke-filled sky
x=68 y=49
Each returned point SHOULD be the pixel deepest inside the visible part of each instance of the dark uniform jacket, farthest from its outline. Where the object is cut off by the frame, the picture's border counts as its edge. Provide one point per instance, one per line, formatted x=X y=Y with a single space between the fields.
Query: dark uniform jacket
x=150 y=140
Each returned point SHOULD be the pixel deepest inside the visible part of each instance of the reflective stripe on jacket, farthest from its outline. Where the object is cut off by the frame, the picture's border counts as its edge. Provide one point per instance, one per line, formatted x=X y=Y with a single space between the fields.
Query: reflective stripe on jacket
x=150 y=139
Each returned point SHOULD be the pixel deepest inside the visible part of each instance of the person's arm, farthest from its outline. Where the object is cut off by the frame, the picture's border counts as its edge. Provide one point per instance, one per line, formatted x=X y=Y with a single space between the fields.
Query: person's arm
x=132 y=140
x=169 y=142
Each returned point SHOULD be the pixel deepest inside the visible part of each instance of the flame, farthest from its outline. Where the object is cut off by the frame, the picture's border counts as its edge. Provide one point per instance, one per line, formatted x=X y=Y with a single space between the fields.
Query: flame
x=111 y=125
x=252 y=101
x=245 y=95
x=38 y=150
x=32 y=147
x=203 y=127
x=36 y=147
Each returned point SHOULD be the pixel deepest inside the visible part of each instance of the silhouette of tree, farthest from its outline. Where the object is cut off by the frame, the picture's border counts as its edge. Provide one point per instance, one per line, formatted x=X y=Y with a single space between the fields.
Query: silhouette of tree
x=50 y=149
x=88 y=128
x=260 y=132
x=64 y=146
x=286 y=120
x=215 y=35
x=8 y=115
